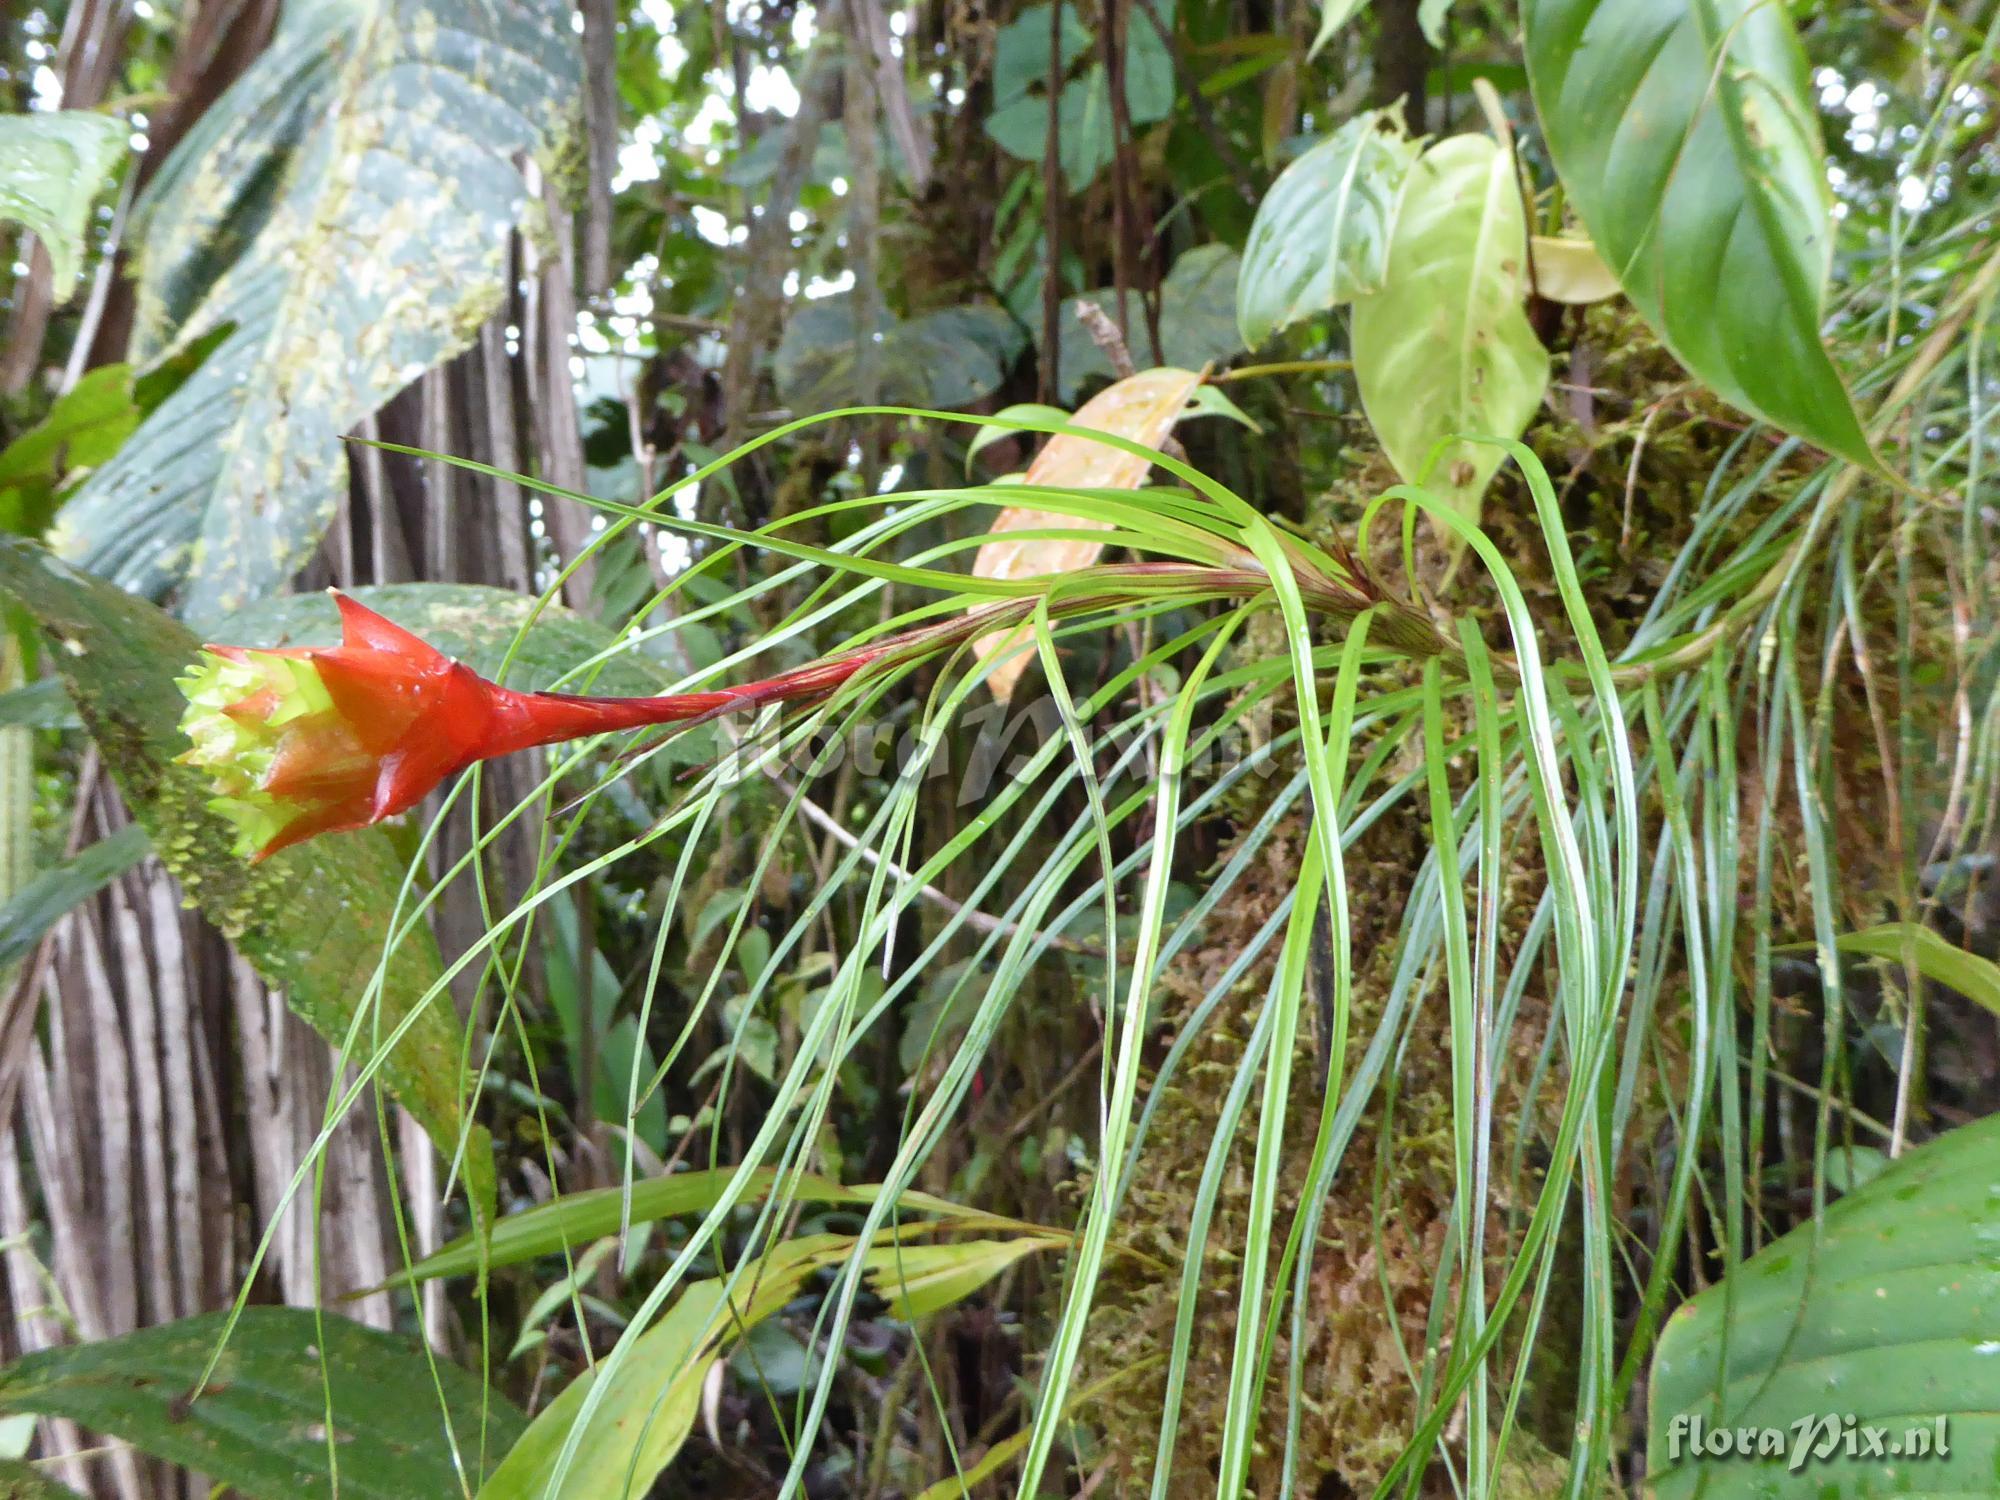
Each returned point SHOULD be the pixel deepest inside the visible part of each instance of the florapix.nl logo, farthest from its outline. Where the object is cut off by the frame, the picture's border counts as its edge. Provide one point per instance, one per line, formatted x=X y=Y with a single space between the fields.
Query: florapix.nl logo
x=1820 y=1437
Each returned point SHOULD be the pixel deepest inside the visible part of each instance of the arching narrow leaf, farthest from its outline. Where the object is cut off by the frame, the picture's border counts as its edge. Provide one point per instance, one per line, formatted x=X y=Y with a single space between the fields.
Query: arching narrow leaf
x=393 y=131
x=51 y=167
x=1686 y=137
x=1321 y=236
x=1143 y=407
x=1445 y=346
x=1886 y=1312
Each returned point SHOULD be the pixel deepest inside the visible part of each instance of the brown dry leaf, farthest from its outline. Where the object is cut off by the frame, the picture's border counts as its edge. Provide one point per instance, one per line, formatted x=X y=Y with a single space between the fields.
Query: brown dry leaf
x=1141 y=407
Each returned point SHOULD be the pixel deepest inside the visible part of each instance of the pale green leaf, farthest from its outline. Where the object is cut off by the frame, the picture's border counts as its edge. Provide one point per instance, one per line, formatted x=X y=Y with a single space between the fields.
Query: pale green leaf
x=577 y=1219
x=51 y=168
x=1571 y=270
x=1321 y=235
x=1445 y=347
x=1033 y=411
x=917 y=1280
x=368 y=265
x=1333 y=15
x=1941 y=962
x=1210 y=401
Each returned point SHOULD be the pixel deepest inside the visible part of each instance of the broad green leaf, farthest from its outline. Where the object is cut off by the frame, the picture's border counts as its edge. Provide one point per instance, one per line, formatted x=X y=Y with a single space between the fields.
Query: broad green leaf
x=85 y=427
x=261 y=1423
x=1941 y=962
x=348 y=264
x=1445 y=347
x=1085 y=144
x=917 y=1280
x=655 y=1396
x=1888 y=1311
x=1197 y=321
x=312 y=920
x=51 y=168
x=39 y=904
x=1321 y=236
x=950 y=358
x=1333 y=14
x=1687 y=138
x=576 y=1219
x=23 y=1481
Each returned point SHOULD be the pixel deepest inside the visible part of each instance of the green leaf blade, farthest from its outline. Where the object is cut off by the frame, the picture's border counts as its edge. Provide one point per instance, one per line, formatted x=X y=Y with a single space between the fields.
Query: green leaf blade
x=1889 y=1312
x=51 y=169
x=260 y=1424
x=1321 y=235
x=1687 y=139
x=1446 y=347
x=362 y=269
x=312 y=920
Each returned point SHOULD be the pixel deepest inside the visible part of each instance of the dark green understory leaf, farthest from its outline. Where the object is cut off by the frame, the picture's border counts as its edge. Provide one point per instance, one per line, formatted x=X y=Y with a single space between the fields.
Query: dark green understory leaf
x=312 y=920
x=51 y=167
x=1085 y=144
x=1321 y=236
x=1687 y=139
x=1888 y=1312
x=346 y=205
x=261 y=1423
x=36 y=907
x=85 y=427
x=949 y=358
x=39 y=705
x=1197 y=321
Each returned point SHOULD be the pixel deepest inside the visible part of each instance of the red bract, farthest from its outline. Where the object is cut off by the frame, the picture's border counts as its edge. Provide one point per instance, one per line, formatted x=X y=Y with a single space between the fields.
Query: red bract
x=312 y=740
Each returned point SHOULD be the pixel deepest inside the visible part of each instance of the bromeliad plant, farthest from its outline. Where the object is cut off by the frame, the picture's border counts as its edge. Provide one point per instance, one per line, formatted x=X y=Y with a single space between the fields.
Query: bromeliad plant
x=303 y=741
